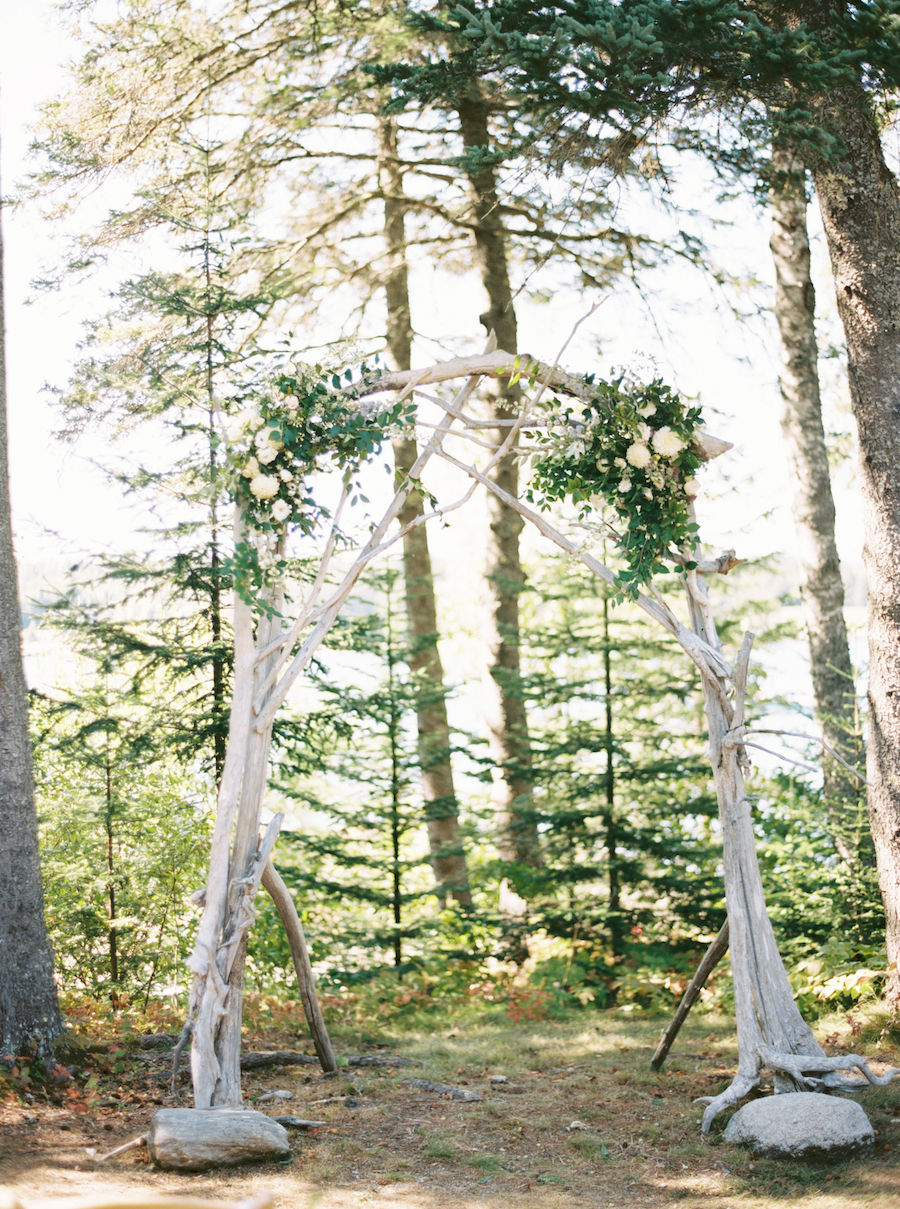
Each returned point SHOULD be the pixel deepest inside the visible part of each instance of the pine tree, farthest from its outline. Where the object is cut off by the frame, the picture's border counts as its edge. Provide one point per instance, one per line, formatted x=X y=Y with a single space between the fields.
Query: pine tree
x=124 y=829
x=803 y=73
x=625 y=815
x=169 y=363
x=360 y=852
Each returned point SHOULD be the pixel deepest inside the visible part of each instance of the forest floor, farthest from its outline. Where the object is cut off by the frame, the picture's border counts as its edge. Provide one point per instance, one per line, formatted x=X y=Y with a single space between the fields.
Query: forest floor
x=581 y=1120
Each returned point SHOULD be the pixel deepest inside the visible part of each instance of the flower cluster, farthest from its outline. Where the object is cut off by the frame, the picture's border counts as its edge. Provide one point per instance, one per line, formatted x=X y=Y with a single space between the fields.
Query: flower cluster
x=632 y=447
x=298 y=425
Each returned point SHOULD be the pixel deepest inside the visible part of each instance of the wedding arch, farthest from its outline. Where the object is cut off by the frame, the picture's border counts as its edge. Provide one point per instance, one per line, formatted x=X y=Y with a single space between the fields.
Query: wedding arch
x=629 y=447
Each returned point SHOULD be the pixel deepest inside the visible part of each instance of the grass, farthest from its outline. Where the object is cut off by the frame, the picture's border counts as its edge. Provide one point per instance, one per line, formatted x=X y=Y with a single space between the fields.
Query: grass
x=581 y=1120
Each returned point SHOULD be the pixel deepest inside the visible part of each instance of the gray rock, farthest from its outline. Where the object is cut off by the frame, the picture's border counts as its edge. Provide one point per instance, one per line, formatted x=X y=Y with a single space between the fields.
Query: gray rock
x=802 y=1125
x=190 y=1139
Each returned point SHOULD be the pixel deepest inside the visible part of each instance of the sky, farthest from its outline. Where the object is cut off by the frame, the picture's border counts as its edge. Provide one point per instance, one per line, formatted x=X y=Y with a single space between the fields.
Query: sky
x=60 y=504
x=63 y=508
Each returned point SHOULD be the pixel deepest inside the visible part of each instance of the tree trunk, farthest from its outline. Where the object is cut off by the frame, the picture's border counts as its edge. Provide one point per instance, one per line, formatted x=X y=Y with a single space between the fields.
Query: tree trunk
x=236 y=866
x=860 y=203
x=813 y=506
x=441 y=805
x=509 y=740
x=29 y=1010
x=609 y=820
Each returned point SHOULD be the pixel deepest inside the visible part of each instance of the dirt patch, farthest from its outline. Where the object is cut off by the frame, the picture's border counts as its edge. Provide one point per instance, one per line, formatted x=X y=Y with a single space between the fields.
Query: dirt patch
x=570 y=1114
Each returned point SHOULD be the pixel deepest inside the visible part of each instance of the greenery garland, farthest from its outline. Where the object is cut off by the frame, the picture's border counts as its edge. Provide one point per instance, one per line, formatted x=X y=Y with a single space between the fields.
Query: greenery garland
x=300 y=425
x=632 y=446
x=302 y=422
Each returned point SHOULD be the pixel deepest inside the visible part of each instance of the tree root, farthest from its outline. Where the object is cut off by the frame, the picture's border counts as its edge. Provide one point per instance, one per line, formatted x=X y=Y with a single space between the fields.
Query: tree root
x=740 y=1086
x=801 y=1071
x=803 y=1068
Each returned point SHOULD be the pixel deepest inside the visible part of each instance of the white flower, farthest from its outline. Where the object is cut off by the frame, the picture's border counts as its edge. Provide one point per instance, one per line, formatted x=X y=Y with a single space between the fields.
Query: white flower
x=266 y=436
x=237 y=425
x=647 y=411
x=644 y=431
x=625 y=485
x=251 y=470
x=264 y=486
x=648 y=494
x=638 y=455
x=267 y=454
x=285 y=476
x=281 y=510
x=620 y=462
x=291 y=405
x=667 y=442
x=691 y=488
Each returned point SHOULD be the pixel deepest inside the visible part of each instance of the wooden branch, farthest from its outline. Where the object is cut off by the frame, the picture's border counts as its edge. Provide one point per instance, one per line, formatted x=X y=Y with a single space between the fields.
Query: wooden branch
x=256 y=1059
x=709 y=961
x=503 y=364
x=268 y=707
x=306 y=982
x=726 y=562
x=708 y=660
x=826 y=747
x=134 y=1144
x=290 y=636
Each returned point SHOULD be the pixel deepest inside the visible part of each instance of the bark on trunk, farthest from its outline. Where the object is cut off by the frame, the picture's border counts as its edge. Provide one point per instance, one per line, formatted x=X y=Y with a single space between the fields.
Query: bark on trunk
x=508 y=723
x=813 y=505
x=433 y=728
x=29 y=1011
x=860 y=203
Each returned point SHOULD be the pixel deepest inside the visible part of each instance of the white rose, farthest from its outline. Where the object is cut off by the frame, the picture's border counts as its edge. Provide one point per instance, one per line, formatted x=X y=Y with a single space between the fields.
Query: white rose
x=264 y=486
x=285 y=476
x=267 y=454
x=638 y=455
x=236 y=425
x=290 y=406
x=234 y=428
x=691 y=488
x=281 y=510
x=666 y=442
x=266 y=436
x=251 y=470
x=625 y=485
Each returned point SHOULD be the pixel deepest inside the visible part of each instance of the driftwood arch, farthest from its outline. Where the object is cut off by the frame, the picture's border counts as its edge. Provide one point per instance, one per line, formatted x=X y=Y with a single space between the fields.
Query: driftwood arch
x=269 y=657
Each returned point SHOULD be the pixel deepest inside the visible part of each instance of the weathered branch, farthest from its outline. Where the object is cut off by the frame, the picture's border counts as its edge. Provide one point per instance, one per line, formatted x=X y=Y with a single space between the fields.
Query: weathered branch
x=504 y=365
x=717 y=949
x=306 y=983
